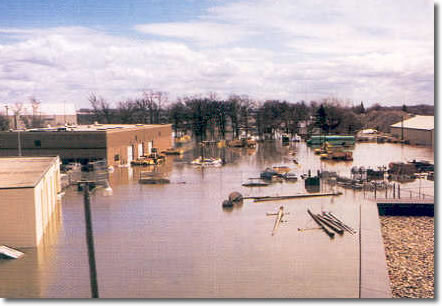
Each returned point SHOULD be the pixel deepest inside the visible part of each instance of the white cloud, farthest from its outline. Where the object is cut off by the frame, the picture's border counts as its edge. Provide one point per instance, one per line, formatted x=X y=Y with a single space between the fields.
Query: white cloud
x=375 y=51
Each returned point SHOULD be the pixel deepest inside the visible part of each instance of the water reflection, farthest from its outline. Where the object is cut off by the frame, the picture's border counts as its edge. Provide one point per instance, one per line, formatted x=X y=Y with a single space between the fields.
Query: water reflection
x=31 y=275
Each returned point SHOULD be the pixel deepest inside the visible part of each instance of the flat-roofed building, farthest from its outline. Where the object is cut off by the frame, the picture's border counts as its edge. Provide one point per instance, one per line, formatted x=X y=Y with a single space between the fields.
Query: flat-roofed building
x=28 y=197
x=418 y=130
x=21 y=115
x=118 y=144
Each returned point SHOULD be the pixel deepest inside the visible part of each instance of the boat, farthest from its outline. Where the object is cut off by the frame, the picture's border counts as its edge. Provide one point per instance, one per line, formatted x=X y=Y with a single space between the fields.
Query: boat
x=255 y=183
x=268 y=174
x=207 y=162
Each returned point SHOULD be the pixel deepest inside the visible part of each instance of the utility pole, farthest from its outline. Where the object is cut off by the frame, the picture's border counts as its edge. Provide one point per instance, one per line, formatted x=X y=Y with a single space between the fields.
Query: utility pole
x=19 y=142
x=402 y=128
x=90 y=240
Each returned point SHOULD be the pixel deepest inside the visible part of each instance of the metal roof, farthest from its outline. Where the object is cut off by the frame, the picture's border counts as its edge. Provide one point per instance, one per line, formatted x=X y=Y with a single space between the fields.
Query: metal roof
x=416 y=122
x=23 y=172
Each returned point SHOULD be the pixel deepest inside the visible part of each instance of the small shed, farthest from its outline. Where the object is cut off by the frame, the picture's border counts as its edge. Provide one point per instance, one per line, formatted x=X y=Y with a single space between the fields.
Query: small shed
x=28 y=198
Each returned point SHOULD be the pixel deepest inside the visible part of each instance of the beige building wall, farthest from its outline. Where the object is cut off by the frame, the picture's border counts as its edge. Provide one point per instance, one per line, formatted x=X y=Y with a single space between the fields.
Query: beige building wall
x=46 y=200
x=17 y=217
x=415 y=136
x=26 y=212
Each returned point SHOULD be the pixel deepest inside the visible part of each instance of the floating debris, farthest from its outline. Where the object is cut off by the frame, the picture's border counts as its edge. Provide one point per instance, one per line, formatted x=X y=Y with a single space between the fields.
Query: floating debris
x=278 y=219
x=255 y=182
x=9 y=253
x=287 y=197
x=324 y=228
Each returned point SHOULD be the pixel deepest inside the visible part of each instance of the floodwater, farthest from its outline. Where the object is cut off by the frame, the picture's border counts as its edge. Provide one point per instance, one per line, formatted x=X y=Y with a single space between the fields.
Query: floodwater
x=176 y=240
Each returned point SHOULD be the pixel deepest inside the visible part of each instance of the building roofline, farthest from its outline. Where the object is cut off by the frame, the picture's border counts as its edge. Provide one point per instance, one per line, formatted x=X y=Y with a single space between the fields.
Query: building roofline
x=53 y=159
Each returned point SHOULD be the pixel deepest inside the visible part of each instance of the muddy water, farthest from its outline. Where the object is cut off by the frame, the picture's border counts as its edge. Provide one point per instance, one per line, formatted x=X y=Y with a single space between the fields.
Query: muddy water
x=176 y=240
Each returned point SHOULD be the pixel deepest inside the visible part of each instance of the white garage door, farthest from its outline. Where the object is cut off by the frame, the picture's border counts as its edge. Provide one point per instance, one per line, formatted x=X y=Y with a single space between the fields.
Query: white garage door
x=149 y=147
x=130 y=153
x=140 y=150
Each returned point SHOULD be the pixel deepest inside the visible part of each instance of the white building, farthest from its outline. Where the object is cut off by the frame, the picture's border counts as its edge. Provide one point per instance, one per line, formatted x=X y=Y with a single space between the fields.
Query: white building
x=418 y=130
x=28 y=198
x=47 y=113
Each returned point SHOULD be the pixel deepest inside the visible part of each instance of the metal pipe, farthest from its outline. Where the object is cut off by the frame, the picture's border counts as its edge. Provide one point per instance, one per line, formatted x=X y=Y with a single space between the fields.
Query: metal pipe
x=328 y=232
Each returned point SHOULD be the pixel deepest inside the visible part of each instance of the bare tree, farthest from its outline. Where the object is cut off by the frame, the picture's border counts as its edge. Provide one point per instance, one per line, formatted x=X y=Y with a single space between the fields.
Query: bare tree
x=17 y=110
x=36 y=120
x=101 y=108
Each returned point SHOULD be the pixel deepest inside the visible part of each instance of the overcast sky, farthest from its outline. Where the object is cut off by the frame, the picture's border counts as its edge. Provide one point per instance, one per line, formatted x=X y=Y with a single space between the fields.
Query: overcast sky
x=372 y=51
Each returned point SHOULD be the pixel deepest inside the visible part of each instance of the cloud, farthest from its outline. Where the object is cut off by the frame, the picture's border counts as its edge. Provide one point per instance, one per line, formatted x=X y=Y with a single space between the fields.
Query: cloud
x=375 y=51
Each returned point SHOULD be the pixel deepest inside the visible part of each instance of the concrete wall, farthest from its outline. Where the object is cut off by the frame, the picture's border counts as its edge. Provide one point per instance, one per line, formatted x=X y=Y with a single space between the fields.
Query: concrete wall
x=25 y=212
x=415 y=136
x=118 y=142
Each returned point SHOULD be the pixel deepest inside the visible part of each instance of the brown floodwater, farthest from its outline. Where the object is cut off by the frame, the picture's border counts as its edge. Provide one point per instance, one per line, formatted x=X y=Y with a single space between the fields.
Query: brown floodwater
x=176 y=240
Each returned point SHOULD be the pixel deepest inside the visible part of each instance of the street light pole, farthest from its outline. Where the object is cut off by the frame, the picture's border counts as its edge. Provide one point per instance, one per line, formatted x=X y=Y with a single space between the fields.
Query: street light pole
x=90 y=241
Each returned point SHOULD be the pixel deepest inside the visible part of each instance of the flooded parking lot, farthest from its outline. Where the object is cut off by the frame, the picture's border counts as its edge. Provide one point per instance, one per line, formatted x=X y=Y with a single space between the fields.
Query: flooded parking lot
x=176 y=240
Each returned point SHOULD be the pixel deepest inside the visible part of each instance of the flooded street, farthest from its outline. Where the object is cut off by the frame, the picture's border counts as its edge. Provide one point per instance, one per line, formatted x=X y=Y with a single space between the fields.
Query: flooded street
x=176 y=240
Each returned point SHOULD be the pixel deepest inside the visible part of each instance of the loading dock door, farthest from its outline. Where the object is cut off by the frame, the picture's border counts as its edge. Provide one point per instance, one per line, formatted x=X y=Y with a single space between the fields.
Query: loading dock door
x=130 y=153
x=149 y=147
x=140 y=150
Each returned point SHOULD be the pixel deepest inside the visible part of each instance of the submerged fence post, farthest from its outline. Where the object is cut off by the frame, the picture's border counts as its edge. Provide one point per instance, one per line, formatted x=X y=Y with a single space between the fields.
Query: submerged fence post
x=394 y=190
x=375 y=190
x=399 y=191
x=90 y=242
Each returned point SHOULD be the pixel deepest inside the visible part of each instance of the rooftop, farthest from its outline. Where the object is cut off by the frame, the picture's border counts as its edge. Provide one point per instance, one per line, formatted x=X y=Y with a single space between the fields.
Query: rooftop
x=417 y=122
x=93 y=127
x=48 y=109
x=22 y=172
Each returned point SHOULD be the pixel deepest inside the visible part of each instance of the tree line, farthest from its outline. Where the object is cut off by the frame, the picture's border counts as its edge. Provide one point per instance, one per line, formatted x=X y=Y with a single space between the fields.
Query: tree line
x=210 y=117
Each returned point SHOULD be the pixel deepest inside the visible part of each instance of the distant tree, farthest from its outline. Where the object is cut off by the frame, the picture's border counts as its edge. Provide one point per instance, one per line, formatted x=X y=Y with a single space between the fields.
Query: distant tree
x=36 y=120
x=100 y=108
x=126 y=111
x=404 y=108
x=177 y=115
x=17 y=110
x=4 y=123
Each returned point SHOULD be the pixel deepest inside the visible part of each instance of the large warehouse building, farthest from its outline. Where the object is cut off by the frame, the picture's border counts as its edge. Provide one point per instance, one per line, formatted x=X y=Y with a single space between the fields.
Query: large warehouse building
x=418 y=130
x=28 y=192
x=118 y=144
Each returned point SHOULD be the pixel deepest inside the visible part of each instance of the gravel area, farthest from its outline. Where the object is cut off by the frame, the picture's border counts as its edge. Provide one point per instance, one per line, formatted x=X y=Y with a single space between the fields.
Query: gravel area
x=409 y=247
